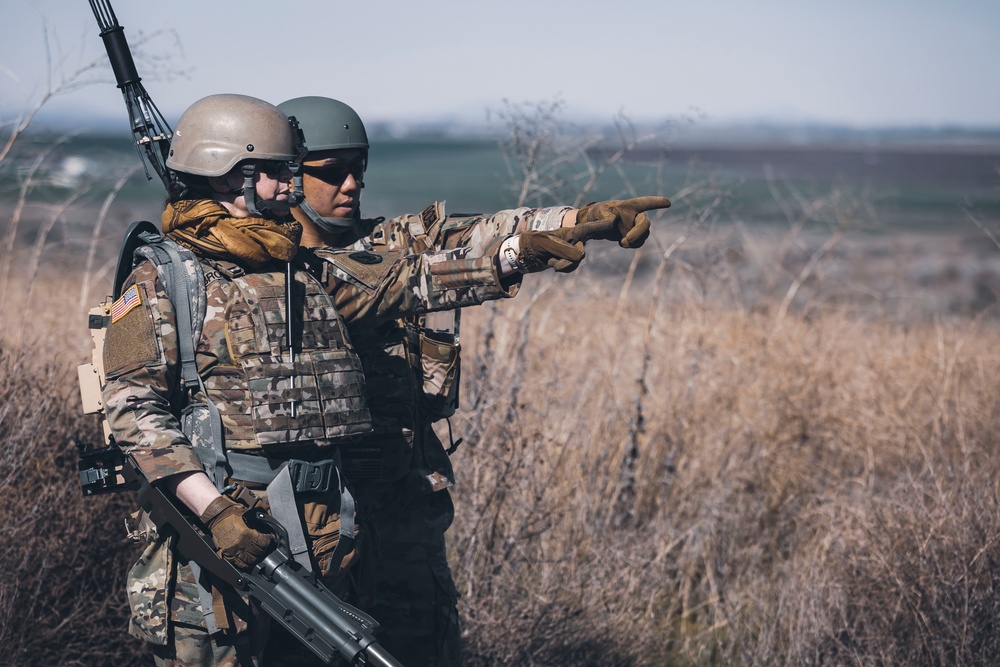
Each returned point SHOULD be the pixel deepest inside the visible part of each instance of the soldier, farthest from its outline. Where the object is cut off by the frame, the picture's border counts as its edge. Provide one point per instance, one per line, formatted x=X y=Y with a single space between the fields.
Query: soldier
x=224 y=402
x=402 y=471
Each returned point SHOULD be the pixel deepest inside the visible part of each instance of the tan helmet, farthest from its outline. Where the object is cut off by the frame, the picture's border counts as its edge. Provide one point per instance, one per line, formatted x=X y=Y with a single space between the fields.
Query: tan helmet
x=215 y=133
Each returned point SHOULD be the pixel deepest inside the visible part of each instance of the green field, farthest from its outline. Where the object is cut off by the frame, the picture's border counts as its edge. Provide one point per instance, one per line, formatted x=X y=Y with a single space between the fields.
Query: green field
x=909 y=184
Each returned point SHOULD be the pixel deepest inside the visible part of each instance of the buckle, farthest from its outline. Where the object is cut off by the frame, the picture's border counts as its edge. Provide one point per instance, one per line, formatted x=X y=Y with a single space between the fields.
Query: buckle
x=311 y=477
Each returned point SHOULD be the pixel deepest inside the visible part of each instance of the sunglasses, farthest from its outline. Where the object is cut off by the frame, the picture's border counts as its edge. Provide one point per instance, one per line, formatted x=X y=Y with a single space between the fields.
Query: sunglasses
x=272 y=168
x=338 y=173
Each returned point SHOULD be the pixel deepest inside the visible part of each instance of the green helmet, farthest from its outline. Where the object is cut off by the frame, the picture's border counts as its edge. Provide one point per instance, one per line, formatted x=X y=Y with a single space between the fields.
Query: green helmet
x=328 y=124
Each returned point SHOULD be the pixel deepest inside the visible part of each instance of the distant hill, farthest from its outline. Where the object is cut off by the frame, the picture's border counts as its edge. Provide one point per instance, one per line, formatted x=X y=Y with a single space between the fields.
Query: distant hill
x=681 y=132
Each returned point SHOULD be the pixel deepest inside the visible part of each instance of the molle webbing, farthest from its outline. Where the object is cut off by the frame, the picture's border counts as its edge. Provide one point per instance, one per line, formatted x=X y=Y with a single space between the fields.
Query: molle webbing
x=325 y=381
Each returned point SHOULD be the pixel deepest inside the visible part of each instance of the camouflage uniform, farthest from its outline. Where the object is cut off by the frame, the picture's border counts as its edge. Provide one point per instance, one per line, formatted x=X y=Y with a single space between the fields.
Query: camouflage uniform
x=240 y=362
x=401 y=472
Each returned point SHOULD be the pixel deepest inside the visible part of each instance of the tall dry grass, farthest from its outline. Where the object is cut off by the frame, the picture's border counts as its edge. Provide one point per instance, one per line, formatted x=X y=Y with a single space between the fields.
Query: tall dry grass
x=62 y=598
x=665 y=463
x=711 y=483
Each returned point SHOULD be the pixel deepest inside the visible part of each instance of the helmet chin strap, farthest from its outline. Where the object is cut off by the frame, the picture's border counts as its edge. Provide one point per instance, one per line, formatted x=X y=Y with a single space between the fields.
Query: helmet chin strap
x=270 y=208
x=329 y=225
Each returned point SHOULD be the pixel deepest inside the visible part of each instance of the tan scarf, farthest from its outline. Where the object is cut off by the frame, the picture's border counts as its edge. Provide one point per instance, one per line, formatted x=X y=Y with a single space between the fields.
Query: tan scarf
x=207 y=227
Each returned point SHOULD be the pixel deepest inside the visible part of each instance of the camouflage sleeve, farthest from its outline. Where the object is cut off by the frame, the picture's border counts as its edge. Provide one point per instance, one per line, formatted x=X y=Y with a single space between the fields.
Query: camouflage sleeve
x=478 y=232
x=411 y=284
x=140 y=354
x=434 y=231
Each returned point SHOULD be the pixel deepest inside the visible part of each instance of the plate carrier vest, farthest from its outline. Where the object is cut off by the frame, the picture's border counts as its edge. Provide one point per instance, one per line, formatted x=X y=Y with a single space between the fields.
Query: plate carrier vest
x=252 y=406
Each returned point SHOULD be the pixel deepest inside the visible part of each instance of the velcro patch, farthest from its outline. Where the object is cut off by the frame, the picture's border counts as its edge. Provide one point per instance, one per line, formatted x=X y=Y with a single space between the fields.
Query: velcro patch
x=131 y=341
x=125 y=303
x=364 y=270
x=429 y=216
x=366 y=257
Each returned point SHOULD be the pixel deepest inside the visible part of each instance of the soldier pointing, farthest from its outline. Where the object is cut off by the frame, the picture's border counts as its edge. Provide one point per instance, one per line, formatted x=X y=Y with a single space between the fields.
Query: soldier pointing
x=401 y=472
x=240 y=393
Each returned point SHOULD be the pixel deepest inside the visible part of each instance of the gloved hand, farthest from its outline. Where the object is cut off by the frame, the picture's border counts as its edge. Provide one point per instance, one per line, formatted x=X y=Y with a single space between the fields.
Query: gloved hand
x=542 y=250
x=630 y=224
x=235 y=541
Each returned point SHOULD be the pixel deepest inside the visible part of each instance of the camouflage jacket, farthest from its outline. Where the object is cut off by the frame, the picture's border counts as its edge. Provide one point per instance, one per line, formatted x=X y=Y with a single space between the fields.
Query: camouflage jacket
x=432 y=229
x=408 y=370
x=141 y=397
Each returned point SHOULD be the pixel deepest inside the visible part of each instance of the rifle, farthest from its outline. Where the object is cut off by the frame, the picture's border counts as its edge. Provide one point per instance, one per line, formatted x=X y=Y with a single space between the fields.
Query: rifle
x=150 y=129
x=293 y=597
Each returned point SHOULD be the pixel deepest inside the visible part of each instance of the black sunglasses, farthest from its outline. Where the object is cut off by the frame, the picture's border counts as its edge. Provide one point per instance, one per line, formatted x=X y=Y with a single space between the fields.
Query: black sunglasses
x=336 y=173
x=272 y=168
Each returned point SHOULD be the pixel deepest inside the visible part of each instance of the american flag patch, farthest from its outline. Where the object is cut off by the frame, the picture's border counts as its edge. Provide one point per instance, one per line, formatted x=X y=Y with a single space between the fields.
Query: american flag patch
x=126 y=302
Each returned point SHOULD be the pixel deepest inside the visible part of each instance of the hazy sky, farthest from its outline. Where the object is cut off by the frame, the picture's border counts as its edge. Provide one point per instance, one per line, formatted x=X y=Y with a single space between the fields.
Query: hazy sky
x=854 y=62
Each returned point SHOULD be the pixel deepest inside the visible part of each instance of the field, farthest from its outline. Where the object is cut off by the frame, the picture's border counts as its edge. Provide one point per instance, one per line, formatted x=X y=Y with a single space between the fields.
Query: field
x=768 y=438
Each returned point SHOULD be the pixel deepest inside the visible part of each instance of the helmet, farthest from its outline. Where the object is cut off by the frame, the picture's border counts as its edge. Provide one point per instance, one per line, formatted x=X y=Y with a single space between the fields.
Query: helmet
x=215 y=133
x=328 y=124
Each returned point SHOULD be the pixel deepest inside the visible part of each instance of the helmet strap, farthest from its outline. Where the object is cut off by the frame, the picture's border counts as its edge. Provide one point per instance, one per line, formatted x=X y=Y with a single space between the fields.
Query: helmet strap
x=330 y=225
x=258 y=207
x=250 y=191
x=297 y=196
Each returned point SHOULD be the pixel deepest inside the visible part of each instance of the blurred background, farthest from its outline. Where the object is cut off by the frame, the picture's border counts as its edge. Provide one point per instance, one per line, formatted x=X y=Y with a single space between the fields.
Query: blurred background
x=896 y=97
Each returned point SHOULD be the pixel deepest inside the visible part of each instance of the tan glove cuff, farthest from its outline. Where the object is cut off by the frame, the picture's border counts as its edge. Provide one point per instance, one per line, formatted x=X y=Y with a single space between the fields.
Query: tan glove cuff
x=583 y=214
x=215 y=509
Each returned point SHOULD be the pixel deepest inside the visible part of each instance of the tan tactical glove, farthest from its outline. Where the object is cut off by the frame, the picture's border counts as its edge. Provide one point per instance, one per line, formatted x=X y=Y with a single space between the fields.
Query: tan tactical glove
x=235 y=541
x=542 y=250
x=631 y=226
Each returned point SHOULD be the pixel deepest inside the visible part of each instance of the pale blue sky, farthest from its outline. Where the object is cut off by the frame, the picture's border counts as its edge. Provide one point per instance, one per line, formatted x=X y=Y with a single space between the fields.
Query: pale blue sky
x=851 y=62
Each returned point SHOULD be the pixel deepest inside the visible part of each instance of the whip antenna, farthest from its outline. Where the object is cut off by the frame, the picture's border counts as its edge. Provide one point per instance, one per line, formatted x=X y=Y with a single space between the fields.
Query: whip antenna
x=150 y=129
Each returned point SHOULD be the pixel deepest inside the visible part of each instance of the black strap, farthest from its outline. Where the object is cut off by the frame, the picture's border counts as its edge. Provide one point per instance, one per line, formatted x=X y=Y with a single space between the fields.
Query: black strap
x=138 y=234
x=454 y=443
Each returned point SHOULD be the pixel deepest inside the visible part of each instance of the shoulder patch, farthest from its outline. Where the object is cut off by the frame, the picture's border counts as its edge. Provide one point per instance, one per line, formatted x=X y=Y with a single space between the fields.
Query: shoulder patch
x=131 y=340
x=125 y=303
x=366 y=268
x=430 y=215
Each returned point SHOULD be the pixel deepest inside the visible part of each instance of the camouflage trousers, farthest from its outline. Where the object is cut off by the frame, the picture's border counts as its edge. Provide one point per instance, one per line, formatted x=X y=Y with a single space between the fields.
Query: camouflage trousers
x=193 y=647
x=167 y=609
x=185 y=642
x=261 y=644
x=415 y=595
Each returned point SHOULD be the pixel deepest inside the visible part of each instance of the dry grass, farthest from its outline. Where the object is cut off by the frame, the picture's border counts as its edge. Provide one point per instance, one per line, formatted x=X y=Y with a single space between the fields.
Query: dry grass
x=62 y=597
x=677 y=477
x=698 y=486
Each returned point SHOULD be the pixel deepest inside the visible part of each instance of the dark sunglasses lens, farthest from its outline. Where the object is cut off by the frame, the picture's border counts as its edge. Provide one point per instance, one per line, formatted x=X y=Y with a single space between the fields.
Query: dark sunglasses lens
x=337 y=174
x=272 y=168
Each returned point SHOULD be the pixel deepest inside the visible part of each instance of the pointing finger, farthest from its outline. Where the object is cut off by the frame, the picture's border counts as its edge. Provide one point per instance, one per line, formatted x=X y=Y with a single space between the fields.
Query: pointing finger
x=640 y=204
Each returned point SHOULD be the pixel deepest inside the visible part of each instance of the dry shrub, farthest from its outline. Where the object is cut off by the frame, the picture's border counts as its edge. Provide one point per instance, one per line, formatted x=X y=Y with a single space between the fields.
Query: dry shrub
x=684 y=476
x=704 y=485
x=62 y=597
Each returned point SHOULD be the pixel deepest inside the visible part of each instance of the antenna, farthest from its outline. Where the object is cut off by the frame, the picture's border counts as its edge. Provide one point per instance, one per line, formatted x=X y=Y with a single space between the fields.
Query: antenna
x=150 y=129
